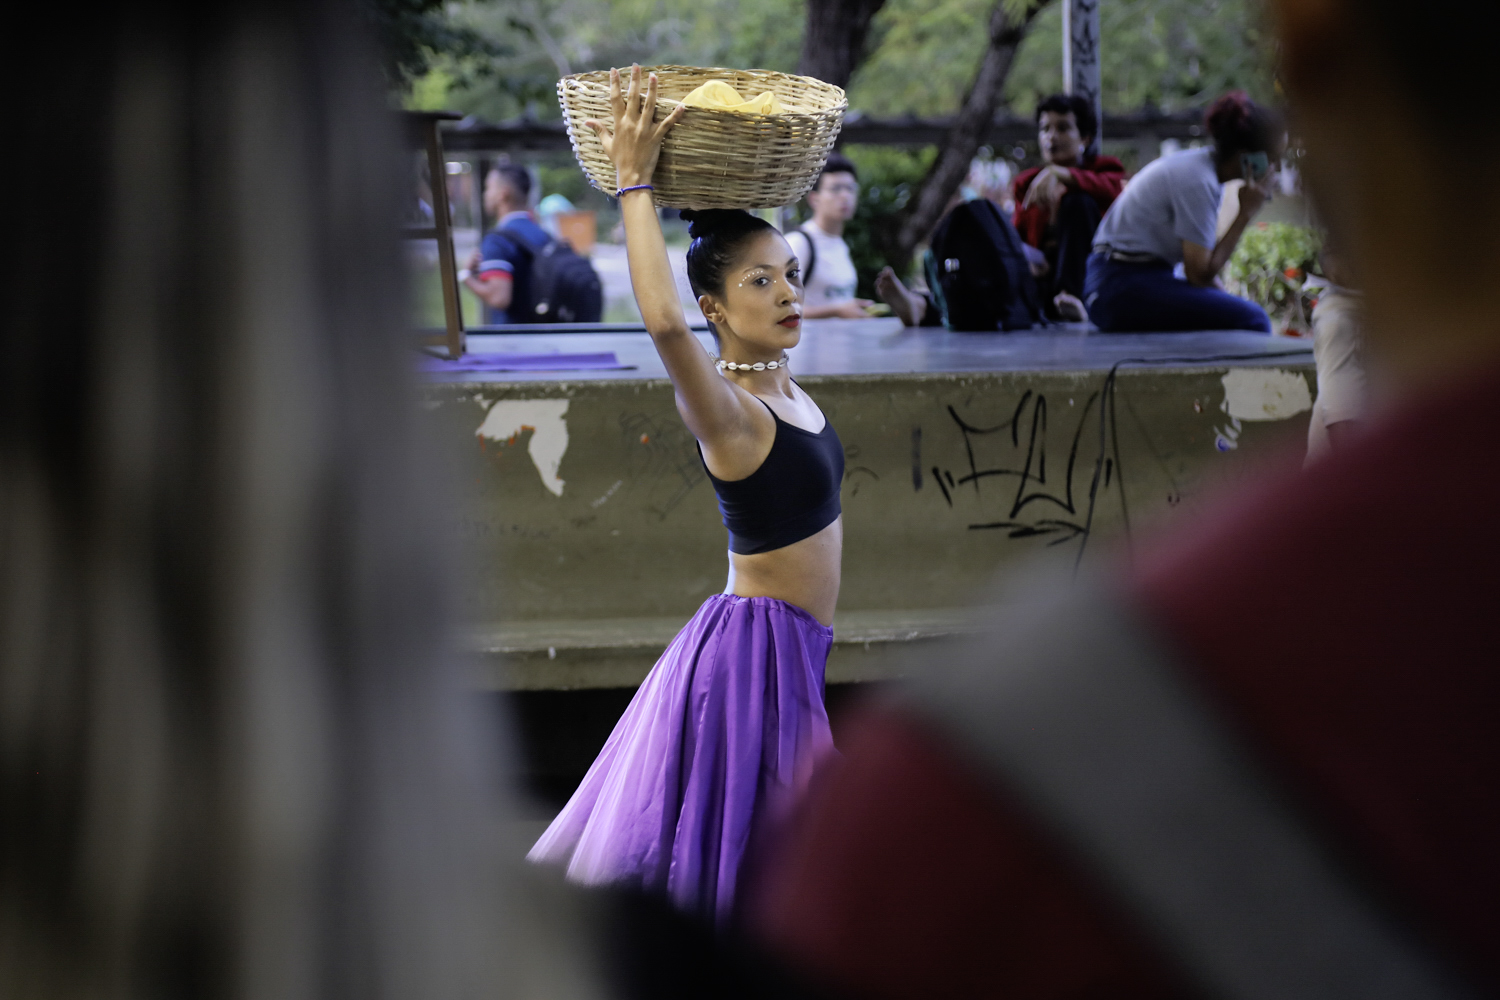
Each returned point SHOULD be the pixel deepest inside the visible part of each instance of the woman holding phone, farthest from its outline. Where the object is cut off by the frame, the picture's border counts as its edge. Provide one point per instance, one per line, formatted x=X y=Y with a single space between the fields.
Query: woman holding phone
x=1168 y=214
x=731 y=718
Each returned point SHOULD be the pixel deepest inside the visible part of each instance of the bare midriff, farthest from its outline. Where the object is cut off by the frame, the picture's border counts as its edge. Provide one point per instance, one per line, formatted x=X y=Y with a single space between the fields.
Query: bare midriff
x=805 y=573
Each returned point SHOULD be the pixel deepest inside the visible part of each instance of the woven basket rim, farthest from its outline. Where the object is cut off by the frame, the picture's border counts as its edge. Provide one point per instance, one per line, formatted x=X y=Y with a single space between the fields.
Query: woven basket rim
x=704 y=160
x=600 y=78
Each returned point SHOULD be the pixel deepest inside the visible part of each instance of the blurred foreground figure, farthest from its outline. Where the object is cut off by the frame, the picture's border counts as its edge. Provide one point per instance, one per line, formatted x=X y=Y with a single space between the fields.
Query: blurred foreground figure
x=1339 y=354
x=236 y=756
x=1262 y=762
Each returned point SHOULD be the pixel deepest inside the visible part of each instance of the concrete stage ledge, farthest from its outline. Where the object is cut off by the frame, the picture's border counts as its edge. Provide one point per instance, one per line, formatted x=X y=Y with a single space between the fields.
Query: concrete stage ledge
x=595 y=534
x=619 y=652
x=884 y=347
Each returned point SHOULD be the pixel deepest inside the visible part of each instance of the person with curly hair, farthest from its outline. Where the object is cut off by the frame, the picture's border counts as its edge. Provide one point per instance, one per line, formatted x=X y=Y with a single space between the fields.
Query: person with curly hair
x=1168 y=215
x=1059 y=204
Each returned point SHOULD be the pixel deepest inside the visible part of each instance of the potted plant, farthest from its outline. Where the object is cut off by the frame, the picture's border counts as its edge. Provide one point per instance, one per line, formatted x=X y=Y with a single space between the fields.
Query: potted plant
x=1271 y=266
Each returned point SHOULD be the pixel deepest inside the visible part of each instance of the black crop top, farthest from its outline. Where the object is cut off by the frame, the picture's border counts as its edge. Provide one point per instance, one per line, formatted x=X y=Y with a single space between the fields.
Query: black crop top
x=793 y=495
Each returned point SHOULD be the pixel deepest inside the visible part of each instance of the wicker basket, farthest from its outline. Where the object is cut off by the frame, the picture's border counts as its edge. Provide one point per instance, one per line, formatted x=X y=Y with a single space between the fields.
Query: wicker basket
x=717 y=159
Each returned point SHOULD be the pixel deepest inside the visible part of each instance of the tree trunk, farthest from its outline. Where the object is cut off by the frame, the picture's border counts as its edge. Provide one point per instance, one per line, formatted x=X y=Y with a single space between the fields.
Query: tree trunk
x=834 y=43
x=969 y=128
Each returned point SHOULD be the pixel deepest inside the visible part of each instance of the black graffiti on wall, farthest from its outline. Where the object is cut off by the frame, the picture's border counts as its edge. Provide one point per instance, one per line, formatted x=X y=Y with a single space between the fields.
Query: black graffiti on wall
x=1042 y=491
x=1039 y=491
x=1056 y=496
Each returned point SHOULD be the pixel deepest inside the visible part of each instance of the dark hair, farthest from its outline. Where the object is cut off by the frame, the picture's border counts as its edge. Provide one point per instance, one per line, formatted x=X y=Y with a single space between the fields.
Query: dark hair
x=516 y=178
x=717 y=235
x=1239 y=125
x=1070 y=104
x=837 y=163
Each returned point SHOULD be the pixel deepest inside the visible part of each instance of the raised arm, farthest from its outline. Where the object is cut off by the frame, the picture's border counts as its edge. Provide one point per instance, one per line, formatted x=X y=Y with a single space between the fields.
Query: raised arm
x=715 y=410
x=1200 y=265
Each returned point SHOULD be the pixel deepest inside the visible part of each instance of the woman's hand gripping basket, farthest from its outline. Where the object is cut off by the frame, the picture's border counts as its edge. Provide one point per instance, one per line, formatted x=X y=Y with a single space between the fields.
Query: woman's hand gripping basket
x=717 y=159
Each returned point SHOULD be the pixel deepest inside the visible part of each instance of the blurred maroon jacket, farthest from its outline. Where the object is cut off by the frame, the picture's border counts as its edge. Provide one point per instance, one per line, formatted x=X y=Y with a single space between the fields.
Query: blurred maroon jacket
x=1340 y=621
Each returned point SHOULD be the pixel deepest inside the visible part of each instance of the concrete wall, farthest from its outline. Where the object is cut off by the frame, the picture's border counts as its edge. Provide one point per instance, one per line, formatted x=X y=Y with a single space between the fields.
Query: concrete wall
x=594 y=532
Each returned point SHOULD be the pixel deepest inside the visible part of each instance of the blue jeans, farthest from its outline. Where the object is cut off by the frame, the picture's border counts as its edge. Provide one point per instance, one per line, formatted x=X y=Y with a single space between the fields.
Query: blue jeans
x=1148 y=298
x=1078 y=217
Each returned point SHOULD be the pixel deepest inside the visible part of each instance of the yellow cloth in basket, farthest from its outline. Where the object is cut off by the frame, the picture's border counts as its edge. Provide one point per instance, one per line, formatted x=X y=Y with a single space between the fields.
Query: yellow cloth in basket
x=716 y=95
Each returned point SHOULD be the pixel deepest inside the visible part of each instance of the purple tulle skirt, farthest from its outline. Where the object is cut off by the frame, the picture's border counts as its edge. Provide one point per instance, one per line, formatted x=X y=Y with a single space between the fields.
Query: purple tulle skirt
x=730 y=722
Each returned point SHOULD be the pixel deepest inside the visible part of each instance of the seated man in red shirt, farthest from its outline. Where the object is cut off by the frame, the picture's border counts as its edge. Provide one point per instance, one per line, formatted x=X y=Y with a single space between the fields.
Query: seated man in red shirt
x=1153 y=783
x=1059 y=205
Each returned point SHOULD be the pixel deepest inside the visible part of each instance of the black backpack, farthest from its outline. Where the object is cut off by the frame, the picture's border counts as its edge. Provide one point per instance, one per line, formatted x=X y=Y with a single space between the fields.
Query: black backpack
x=978 y=272
x=564 y=286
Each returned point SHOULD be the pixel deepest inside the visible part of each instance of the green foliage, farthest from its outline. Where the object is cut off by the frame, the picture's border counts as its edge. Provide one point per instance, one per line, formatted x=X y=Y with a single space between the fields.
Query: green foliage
x=889 y=179
x=1170 y=53
x=429 y=92
x=1270 y=266
x=412 y=33
x=923 y=55
x=547 y=39
x=503 y=57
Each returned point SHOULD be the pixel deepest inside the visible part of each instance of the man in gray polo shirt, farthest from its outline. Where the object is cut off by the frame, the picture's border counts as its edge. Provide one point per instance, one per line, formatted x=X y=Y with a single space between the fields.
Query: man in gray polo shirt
x=1188 y=186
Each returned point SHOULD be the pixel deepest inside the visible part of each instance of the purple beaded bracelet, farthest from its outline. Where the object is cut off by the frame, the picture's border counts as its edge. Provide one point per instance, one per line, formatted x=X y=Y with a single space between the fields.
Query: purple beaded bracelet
x=636 y=187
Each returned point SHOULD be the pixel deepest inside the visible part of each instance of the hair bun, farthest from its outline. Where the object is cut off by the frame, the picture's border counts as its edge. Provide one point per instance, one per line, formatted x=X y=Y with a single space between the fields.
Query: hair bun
x=705 y=221
x=1232 y=111
x=1239 y=125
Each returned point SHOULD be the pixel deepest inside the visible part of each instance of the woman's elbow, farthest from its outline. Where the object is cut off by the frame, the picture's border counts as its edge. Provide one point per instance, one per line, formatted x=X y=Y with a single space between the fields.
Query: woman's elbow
x=667 y=329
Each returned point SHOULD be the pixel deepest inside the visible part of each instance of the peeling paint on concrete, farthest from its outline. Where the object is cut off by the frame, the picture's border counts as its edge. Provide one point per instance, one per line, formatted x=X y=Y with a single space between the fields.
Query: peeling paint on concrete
x=1265 y=393
x=549 y=432
x=1227 y=438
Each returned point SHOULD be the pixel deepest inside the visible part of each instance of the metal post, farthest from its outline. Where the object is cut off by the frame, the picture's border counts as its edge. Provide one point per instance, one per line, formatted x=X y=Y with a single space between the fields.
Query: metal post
x=1067 y=36
x=437 y=167
x=1081 y=58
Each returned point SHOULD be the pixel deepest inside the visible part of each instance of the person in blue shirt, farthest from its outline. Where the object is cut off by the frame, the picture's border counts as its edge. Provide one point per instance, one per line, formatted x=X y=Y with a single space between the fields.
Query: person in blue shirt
x=500 y=270
x=1168 y=215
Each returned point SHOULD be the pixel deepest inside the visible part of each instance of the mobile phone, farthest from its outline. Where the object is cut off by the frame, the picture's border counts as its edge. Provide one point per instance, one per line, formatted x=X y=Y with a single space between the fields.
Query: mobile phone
x=1255 y=166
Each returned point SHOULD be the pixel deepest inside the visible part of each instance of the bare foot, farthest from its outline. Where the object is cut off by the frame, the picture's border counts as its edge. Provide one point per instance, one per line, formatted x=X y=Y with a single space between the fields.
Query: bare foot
x=910 y=307
x=1070 y=309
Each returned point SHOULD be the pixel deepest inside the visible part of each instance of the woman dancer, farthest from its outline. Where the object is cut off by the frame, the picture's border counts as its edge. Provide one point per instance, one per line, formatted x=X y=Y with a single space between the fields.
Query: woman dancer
x=731 y=717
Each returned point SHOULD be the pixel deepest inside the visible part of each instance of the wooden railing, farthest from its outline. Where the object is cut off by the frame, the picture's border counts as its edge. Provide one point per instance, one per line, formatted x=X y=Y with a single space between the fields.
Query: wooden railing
x=423 y=132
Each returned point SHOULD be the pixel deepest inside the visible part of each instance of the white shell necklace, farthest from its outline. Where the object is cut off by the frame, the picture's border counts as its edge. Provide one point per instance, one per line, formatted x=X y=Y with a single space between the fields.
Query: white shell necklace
x=759 y=366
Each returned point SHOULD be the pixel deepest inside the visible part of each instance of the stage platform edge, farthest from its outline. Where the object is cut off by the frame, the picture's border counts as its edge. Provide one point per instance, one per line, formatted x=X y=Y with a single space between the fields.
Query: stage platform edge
x=593 y=533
